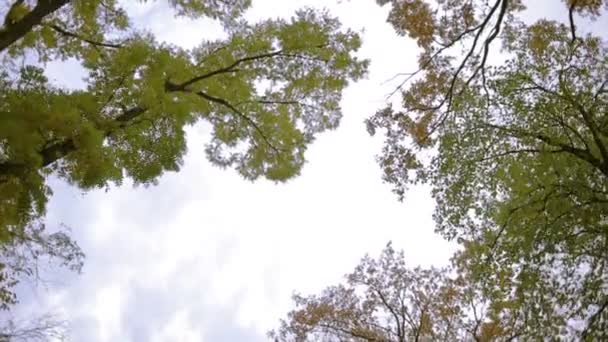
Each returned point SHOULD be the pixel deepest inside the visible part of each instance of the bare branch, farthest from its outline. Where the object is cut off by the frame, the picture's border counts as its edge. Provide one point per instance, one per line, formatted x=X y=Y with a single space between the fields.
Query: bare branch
x=430 y=60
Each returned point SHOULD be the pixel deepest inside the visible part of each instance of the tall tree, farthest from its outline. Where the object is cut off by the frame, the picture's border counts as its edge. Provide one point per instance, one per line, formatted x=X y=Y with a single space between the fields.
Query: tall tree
x=516 y=151
x=383 y=300
x=267 y=90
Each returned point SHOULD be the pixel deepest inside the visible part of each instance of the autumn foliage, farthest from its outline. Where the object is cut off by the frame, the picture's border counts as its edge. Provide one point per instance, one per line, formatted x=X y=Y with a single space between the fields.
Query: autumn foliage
x=506 y=120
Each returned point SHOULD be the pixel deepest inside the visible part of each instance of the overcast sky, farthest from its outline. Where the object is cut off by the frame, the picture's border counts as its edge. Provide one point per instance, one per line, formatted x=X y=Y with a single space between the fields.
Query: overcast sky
x=207 y=256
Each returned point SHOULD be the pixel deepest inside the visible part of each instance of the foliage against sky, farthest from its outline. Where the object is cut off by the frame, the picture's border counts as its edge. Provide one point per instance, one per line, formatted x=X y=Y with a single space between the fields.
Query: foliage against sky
x=385 y=300
x=516 y=152
x=267 y=90
x=515 y=147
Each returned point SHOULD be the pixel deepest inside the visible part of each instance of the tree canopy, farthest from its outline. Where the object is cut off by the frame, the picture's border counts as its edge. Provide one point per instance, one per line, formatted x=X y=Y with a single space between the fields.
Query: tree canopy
x=267 y=91
x=515 y=147
x=506 y=119
x=384 y=300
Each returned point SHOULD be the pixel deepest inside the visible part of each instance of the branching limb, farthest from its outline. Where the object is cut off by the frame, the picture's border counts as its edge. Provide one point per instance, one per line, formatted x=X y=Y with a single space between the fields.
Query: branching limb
x=232 y=67
x=232 y=108
x=84 y=39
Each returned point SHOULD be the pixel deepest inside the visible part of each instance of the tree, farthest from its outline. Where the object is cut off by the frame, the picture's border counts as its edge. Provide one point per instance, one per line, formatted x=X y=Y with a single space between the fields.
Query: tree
x=28 y=255
x=516 y=151
x=39 y=329
x=384 y=300
x=267 y=90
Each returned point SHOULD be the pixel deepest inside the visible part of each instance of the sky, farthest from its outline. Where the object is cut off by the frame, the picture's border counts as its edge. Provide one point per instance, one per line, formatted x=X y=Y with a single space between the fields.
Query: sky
x=208 y=256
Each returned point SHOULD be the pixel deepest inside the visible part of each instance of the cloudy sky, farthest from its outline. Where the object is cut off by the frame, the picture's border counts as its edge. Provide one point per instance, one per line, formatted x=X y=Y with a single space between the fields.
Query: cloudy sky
x=207 y=256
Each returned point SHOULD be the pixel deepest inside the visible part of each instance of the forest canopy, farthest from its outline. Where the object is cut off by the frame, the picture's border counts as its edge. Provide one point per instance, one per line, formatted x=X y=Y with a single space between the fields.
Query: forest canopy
x=504 y=117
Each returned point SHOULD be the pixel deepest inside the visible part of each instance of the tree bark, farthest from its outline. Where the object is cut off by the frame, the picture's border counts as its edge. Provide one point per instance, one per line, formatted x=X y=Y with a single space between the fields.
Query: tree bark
x=12 y=32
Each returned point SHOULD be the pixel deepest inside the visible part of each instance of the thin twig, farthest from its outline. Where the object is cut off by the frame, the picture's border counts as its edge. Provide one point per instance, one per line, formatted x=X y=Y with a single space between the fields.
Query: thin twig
x=84 y=39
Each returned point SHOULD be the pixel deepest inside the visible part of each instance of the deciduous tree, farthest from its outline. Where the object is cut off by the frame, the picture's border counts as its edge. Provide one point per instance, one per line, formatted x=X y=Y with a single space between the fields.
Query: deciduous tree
x=516 y=151
x=267 y=91
x=383 y=300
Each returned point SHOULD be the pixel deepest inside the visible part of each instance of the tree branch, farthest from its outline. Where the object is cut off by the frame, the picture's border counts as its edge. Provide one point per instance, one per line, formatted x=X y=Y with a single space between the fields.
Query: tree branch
x=228 y=105
x=57 y=150
x=587 y=119
x=348 y=332
x=450 y=93
x=494 y=33
x=517 y=151
x=227 y=69
x=582 y=154
x=432 y=58
x=54 y=151
x=571 y=19
x=86 y=40
x=593 y=318
x=231 y=67
x=12 y=32
x=400 y=332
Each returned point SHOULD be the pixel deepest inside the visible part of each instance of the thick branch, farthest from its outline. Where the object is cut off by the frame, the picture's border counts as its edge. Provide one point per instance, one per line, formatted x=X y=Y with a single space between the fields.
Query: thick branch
x=12 y=32
x=405 y=316
x=58 y=150
x=582 y=154
x=587 y=119
x=8 y=168
x=130 y=114
x=596 y=135
x=571 y=19
x=400 y=332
